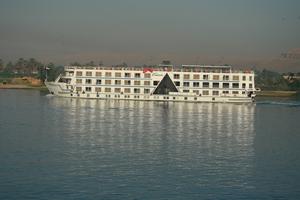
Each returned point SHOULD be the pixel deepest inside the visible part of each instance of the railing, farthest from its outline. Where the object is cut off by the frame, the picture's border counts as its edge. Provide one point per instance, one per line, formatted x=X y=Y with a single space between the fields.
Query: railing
x=198 y=69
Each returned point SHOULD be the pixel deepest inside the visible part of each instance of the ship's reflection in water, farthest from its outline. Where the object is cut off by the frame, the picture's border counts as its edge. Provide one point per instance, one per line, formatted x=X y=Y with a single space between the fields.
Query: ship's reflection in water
x=137 y=146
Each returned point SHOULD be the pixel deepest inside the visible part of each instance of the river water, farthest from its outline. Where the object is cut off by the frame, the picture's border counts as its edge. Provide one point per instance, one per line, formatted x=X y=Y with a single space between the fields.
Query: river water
x=59 y=148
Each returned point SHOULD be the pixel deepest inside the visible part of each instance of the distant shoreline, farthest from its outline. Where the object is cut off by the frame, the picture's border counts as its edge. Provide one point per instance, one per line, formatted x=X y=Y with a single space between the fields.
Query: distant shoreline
x=21 y=86
x=275 y=93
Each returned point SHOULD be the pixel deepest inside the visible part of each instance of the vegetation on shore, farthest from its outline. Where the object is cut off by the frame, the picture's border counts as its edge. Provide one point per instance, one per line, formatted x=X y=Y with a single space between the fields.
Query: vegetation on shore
x=265 y=80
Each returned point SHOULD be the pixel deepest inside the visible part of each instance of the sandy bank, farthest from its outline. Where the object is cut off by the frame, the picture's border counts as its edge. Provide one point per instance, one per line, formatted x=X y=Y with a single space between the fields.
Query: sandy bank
x=20 y=86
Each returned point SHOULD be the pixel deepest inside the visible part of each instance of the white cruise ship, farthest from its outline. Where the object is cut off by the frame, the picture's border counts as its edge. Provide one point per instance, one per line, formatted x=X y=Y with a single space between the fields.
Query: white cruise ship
x=191 y=83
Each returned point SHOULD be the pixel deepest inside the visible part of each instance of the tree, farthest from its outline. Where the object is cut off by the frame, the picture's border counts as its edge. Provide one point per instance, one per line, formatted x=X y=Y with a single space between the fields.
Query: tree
x=1 y=65
x=91 y=63
x=75 y=63
x=166 y=62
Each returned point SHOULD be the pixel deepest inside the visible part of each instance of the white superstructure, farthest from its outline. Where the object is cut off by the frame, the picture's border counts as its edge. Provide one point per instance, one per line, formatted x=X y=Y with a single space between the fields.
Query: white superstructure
x=193 y=83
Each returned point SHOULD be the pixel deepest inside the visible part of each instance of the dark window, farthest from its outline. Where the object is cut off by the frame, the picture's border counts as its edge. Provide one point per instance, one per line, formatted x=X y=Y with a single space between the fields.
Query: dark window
x=155 y=82
x=235 y=85
x=186 y=84
x=205 y=84
x=177 y=83
x=88 y=89
x=225 y=85
x=196 y=84
x=215 y=85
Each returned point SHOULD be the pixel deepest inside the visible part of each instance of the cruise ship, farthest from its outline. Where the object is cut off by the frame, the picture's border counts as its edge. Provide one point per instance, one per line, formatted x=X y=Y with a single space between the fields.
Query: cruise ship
x=188 y=83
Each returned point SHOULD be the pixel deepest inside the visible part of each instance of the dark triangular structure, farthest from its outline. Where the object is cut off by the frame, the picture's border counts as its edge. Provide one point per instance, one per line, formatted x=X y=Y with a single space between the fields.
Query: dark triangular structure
x=165 y=86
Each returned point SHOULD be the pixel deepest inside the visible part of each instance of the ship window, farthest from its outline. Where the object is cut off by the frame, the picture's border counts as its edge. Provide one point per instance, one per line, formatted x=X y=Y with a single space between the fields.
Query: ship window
x=146 y=91
x=205 y=84
x=147 y=75
x=250 y=85
x=137 y=75
x=98 y=82
x=117 y=90
x=216 y=77
x=196 y=77
x=205 y=77
x=186 y=91
x=225 y=85
x=107 y=82
x=88 y=73
x=196 y=91
x=235 y=85
x=225 y=78
x=107 y=89
x=215 y=85
x=186 y=76
x=127 y=90
x=78 y=73
x=117 y=82
x=215 y=93
x=88 y=89
x=244 y=78
x=235 y=78
x=78 y=89
x=196 y=84
x=107 y=74
x=127 y=82
x=186 y=84
x=176 y=76
x=146 y=82
x=155 y=82
x=244 y=85
x=127 y=75
x=235 y=92
x=136 y=90
x=98 y=89
x=177 y=83
x=98 y=74
x=118 y=74
x=88 y=81
x=137 y=82
x=79 y=81
x=205 y=92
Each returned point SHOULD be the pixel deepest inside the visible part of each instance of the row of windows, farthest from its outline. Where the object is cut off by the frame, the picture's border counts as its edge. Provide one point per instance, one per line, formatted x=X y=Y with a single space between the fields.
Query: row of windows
x=177 y=83
x=116 y=90
x=109 y=82
x=116 y=74
x=212 y=77
x=214 y=85
x=175 y=76
x=147 y=91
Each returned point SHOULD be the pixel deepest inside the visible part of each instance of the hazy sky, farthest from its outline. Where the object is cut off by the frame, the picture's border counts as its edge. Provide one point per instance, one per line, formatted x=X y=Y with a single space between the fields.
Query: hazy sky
x=140 y=31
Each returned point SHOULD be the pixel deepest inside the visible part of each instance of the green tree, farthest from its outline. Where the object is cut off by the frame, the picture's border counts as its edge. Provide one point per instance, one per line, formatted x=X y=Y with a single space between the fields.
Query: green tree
x=75 y=63
x=1 y=65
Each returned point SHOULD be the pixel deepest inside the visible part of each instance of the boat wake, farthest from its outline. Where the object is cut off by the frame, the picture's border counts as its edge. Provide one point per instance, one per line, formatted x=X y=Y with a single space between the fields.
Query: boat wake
x=49 y=95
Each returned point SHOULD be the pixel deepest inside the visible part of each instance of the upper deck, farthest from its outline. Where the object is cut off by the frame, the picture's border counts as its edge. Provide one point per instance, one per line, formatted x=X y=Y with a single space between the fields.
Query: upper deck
x=168 y=68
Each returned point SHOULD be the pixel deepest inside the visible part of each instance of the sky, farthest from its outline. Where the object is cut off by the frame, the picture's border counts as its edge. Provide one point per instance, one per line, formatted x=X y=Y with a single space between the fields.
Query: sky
x=146 y=32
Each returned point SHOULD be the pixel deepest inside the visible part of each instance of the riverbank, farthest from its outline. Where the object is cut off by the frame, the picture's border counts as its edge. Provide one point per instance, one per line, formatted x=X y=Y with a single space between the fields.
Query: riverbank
x=276 y=93
x=21 y=86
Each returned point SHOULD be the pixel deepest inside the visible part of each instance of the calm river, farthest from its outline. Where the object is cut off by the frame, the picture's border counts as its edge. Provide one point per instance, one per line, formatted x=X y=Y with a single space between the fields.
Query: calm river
x=59 y=148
